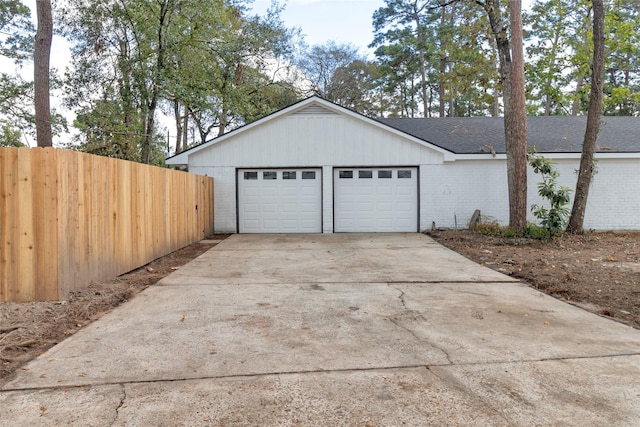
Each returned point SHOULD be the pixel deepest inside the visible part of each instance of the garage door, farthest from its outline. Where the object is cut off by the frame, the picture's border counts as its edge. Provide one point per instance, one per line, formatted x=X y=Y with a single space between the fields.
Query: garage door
x=376 y=199
x=279 y=201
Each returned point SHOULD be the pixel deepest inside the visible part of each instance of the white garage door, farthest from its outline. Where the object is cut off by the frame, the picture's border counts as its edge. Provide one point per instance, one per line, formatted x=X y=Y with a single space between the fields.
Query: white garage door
x=279 y=200
x=376 y=199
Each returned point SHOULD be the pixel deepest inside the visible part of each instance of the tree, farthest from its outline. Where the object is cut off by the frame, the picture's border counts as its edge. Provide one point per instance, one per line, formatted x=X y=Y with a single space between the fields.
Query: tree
x=320 y=63
x=10 y=136
x=203 y=61
x=445 y=71
x=515 y=115
x=15 y=23
x=622 y=62
x=398 y=70
x=41 y=56
x=353 y=86
x=557 y=40
x=560 y=55
x=585 y=173
x=409 y=15
x=16 y=95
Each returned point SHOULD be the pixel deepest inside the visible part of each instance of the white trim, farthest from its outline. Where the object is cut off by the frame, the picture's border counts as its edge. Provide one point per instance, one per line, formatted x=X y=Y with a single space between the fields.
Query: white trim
x=558 y=156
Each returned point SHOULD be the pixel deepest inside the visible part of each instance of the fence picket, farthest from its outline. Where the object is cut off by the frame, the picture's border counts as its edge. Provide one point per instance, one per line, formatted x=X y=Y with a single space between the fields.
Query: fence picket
x=69 y=218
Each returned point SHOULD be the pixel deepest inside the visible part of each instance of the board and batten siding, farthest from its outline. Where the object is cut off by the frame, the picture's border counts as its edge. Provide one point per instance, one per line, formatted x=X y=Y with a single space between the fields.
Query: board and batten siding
x=306 y=140
x=303 y=140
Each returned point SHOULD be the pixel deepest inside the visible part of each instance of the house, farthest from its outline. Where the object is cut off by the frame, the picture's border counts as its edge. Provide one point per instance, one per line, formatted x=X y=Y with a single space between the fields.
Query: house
x=317 y=167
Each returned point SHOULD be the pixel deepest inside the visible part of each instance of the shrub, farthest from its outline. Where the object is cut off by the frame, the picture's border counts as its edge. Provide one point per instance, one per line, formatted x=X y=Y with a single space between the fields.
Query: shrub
x=553 y=219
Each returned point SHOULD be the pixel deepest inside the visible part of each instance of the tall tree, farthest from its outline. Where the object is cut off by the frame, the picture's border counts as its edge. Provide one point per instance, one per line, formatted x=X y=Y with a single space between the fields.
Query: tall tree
x=585 y=173
x=41 y=57
x=320 y=63
x=510 y=54
x=622 y=63
x=204 y=60
x=446 y=71
x=556 y=28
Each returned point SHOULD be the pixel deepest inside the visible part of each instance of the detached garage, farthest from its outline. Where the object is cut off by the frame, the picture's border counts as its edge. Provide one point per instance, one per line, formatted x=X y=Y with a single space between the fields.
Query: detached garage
x=316 y=167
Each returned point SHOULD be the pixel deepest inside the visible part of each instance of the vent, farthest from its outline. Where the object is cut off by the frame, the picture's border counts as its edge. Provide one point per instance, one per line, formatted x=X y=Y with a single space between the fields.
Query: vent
x=316 y=110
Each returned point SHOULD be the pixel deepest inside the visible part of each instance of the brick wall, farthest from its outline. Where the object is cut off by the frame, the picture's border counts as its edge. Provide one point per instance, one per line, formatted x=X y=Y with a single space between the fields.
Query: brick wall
x=455 y=190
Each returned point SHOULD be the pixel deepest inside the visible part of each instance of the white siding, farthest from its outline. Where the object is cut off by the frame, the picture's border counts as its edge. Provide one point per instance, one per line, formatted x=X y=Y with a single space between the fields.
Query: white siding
x=449 y=190
x=308 y=140
x=302 y=140
x=327 y=199
x=614 y=196
x=224 y=196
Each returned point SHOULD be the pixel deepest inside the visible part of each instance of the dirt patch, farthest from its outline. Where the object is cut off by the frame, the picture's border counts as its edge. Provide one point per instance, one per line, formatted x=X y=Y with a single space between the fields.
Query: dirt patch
x=597 y=271
x=29 y=329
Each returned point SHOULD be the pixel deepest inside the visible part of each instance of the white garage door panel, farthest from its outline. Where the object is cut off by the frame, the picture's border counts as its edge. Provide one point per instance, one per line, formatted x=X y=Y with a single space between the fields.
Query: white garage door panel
x=370 y=202
x=279 y=205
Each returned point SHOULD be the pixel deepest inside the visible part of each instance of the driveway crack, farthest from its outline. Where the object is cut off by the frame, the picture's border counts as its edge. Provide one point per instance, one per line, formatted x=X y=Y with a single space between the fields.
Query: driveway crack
x=123 y=397
x=398 y=322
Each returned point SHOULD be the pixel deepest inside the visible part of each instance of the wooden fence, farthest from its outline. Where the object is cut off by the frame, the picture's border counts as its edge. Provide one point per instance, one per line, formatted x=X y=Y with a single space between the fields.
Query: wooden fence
x=69 y=218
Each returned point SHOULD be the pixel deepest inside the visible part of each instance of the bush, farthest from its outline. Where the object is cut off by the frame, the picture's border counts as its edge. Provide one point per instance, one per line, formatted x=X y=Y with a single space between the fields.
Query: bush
x=531 y=231
x=553 y=219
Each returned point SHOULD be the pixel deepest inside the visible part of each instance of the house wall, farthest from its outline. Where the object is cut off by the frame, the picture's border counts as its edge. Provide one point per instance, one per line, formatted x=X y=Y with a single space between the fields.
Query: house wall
x=451 y=187
x=303 y=140
x=454 y=190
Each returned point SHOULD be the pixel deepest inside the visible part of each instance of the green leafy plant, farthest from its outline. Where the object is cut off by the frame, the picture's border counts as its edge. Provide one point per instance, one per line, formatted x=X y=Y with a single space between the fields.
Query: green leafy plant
x=554 y=218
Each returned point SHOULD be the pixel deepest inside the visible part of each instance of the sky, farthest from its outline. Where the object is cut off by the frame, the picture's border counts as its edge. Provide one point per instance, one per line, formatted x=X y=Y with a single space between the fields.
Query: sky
x=346 y=21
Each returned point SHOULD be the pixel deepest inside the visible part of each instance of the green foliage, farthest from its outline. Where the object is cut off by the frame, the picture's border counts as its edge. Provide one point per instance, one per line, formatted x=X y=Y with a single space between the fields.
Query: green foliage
x=16 y=105
x=206 y=60
x=560 y=51
x=10 y=136
x=554 y=218
x=18 y=31
x=435 y=59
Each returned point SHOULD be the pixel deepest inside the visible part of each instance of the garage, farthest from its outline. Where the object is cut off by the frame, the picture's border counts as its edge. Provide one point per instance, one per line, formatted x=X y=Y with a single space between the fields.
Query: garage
x=398 y=174
x=279 y=200
x=376 y=199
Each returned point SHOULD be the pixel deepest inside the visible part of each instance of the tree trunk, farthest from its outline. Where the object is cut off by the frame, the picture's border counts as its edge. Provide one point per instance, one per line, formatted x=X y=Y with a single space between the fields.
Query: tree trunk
x=517 y=142
x=443 y=68
x=178 y=118
x=515 y=113
x=41 y=57
x=185 y=128
x=575 y=108
x=441 y=91
x=222 y=127
x=149 y=129
x=585 y=174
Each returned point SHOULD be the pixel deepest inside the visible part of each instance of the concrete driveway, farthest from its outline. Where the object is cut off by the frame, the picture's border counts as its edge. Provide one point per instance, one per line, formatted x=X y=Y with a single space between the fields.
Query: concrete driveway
x=328 y=330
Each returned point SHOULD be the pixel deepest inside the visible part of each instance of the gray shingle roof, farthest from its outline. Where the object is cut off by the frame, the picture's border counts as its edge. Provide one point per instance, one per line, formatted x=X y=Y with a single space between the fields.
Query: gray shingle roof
x=549 y=134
